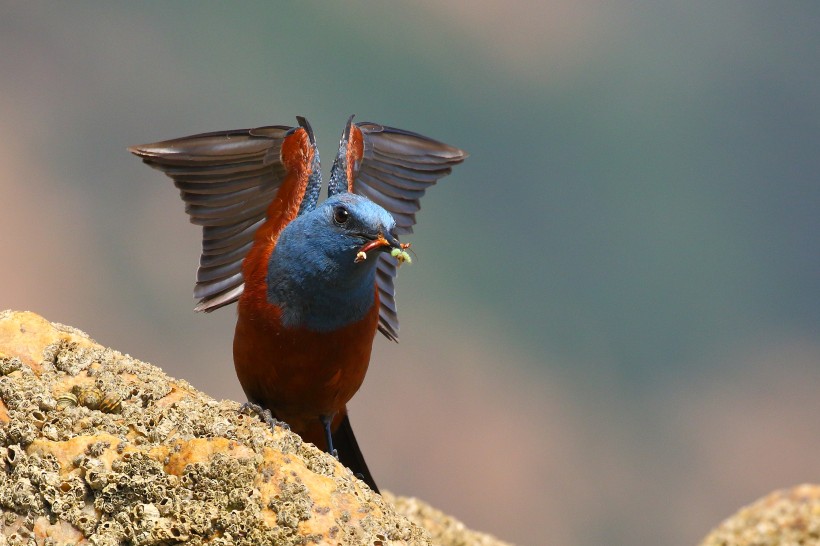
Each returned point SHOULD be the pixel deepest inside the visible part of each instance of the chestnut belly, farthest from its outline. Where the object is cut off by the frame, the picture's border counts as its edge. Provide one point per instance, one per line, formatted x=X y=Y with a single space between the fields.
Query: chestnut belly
x=300 y=374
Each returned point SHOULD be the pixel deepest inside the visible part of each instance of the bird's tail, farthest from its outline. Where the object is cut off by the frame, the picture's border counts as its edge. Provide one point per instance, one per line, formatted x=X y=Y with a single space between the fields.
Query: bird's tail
x=344 y=441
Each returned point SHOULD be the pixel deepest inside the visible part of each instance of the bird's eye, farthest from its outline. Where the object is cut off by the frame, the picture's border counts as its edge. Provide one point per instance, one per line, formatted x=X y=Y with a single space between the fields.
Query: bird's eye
x=340 y=215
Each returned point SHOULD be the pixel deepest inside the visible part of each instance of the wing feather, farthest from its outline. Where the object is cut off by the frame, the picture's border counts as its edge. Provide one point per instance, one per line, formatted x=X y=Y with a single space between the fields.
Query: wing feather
x=385 y=278
x=395 y=170
x=227 y=179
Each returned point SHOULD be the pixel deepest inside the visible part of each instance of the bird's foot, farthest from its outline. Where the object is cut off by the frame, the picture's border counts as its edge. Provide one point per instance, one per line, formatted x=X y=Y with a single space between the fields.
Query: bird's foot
x=326 y=420
x=264 y=414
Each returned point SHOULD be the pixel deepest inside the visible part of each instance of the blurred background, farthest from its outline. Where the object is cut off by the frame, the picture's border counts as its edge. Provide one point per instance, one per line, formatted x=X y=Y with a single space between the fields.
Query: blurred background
x=610 y=330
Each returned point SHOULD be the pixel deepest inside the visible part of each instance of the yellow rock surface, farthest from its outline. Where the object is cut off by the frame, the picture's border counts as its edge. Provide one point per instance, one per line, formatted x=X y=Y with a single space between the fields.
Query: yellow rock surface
x=97 y=447
x=28 y=334
x=785 y=517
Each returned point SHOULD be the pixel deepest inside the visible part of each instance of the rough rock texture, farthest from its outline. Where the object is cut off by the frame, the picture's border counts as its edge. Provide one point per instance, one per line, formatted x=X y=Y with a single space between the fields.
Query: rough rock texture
x=786 y=517
x=444 y=529
x=97 y=447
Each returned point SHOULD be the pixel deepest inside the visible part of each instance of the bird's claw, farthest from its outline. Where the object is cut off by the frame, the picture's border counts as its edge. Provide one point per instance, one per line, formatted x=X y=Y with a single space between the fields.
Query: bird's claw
x=264 y=414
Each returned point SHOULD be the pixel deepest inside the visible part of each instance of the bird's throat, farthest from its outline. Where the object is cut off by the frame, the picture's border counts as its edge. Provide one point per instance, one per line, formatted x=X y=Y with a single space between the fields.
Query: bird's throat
x=319 y=293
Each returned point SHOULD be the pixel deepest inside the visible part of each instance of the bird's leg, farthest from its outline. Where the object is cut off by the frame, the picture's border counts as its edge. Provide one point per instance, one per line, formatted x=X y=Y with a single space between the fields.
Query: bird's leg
x=327 y=420
x=264 y=414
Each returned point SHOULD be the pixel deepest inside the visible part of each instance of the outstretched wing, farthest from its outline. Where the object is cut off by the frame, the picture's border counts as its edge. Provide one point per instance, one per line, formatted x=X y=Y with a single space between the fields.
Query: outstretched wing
x=393 y=168
x=227 y=180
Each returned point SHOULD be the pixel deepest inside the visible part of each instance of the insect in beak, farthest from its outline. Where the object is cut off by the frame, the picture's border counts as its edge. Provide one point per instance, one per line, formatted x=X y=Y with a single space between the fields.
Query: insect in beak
x=398 y=250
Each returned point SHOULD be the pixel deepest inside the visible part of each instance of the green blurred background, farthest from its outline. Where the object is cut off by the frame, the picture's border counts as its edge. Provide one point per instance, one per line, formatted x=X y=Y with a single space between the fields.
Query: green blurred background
x=610 y=332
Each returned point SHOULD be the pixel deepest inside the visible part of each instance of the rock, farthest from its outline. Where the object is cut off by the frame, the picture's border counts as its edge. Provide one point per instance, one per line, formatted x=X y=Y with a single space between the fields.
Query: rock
x=787 y=516
x=99 y=448
x=443 y=528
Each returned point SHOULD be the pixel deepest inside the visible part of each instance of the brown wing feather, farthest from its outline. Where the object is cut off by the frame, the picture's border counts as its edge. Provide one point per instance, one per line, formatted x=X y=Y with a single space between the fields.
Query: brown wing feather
x=395 y=170
x=227 y=180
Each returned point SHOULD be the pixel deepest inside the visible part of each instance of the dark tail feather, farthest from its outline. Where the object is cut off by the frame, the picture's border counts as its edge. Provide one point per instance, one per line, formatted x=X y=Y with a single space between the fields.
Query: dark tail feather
x=350 y=455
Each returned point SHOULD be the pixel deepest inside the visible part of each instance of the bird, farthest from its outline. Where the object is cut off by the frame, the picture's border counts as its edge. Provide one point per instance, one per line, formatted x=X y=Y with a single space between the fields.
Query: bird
x=313 y=282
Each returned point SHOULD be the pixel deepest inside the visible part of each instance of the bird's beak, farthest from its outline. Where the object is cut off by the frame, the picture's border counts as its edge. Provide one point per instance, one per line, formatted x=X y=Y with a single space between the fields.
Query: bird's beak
x=394 y=243
x=383 y=241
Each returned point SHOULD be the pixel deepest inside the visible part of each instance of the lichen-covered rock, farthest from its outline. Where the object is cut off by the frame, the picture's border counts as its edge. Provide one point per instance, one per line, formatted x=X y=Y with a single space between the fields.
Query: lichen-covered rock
x=97 y=447
x=443 y=529
x=787 y=516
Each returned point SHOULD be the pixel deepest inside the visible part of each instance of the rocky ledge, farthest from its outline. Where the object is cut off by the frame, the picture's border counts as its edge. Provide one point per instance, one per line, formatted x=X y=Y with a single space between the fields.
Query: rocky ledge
x=97 y=447
x=784 y=517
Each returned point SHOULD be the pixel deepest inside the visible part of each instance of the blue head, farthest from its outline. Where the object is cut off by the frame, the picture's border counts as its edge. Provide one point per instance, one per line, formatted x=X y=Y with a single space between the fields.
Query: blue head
x=314 y=275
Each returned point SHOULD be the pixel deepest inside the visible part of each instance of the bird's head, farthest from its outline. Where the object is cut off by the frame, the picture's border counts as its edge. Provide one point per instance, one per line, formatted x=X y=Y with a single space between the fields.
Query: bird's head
x=359 y=226
x=320 y=266
x=342 y=230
